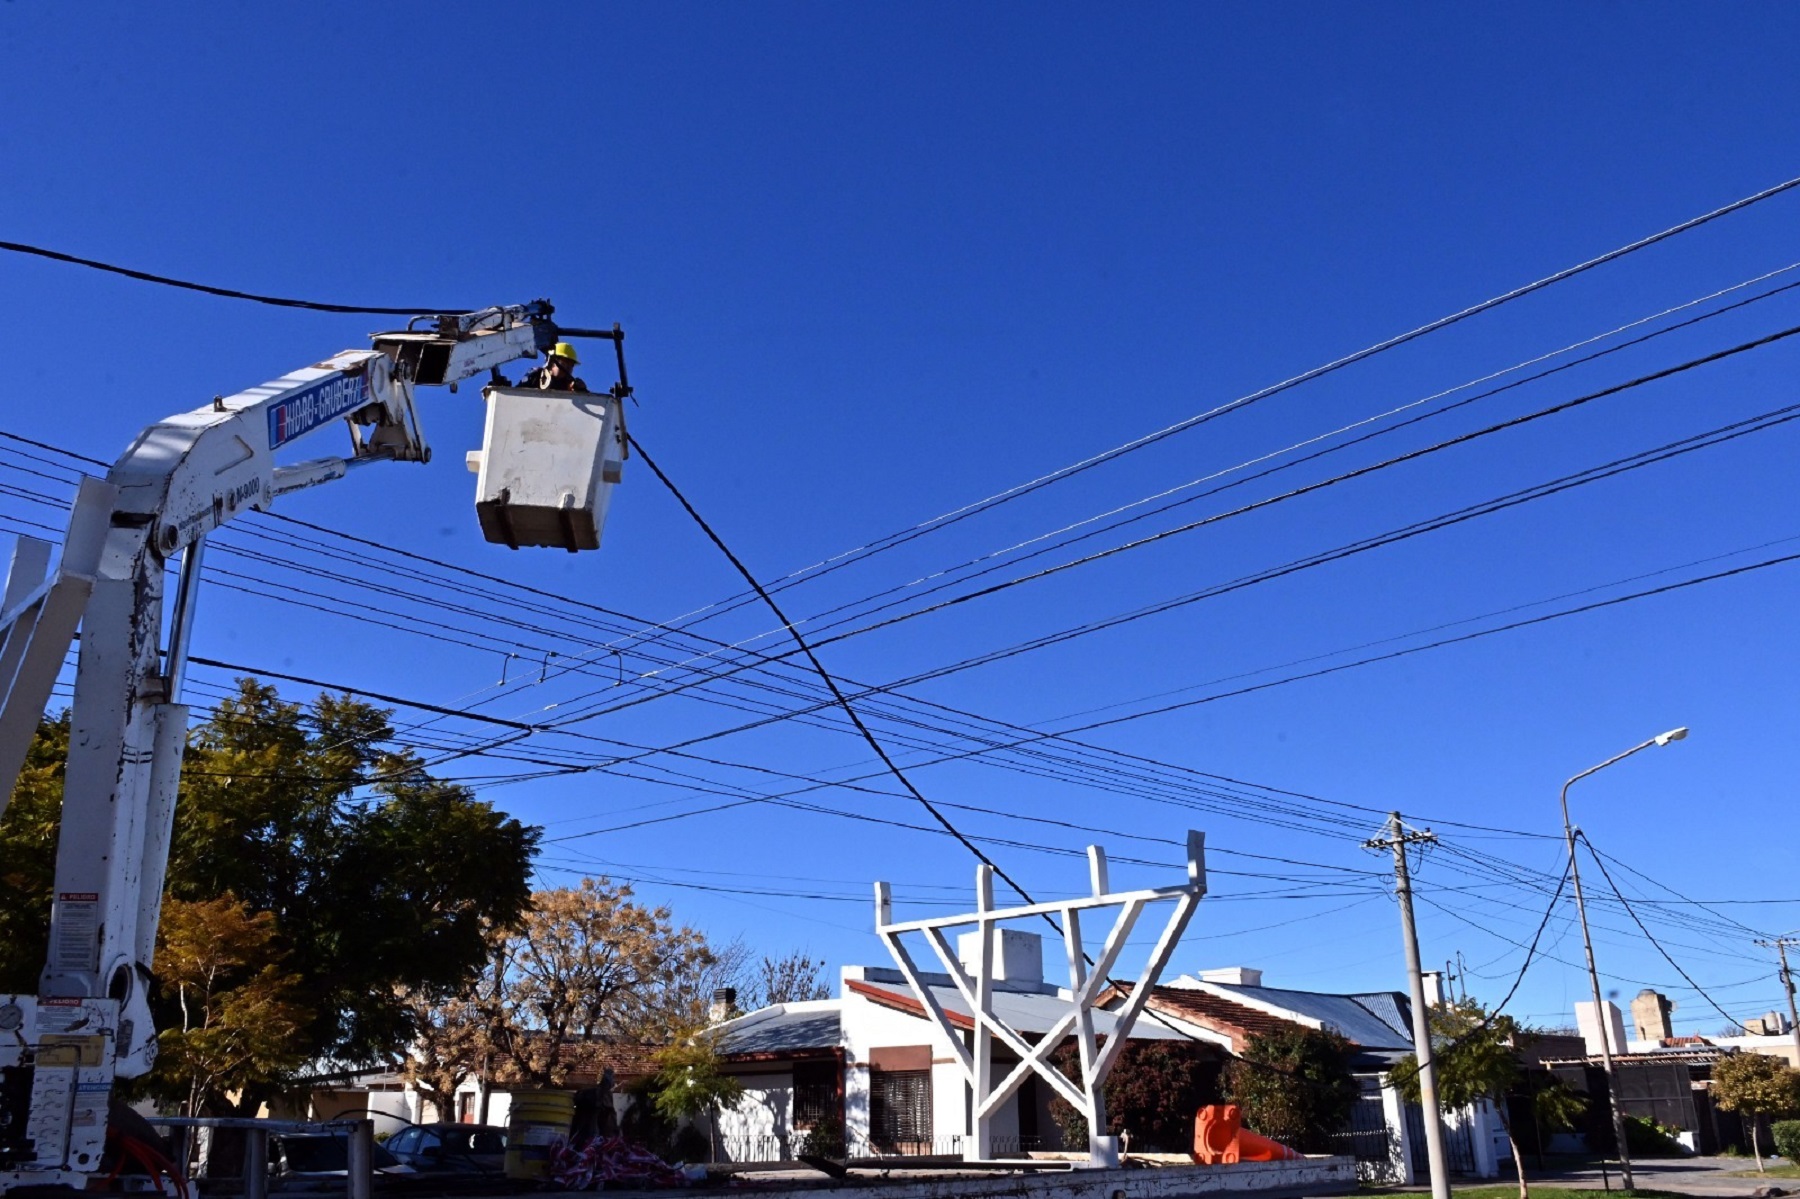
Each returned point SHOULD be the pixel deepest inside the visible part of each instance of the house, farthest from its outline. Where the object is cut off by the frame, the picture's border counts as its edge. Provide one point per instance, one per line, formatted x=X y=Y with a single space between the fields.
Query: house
x=1661 y=1076
x=384 y=1091
x=872 y=1062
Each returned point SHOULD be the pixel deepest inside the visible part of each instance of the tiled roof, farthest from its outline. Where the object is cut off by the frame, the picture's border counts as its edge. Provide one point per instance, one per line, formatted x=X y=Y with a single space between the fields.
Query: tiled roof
x=1207 y=1010
x=901 y=1003
x=583 y=1061
x=586 y=1060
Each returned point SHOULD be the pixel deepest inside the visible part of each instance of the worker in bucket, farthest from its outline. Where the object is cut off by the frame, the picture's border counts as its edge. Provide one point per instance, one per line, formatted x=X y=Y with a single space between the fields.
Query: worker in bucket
x=558 y=371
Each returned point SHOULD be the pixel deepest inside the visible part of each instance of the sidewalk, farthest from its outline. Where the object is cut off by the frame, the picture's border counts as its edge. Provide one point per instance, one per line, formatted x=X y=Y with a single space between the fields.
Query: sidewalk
x=1705 y=1176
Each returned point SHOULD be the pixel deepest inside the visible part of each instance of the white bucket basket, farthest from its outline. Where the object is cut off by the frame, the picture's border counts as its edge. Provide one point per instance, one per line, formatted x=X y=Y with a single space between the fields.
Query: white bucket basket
x=547 y=466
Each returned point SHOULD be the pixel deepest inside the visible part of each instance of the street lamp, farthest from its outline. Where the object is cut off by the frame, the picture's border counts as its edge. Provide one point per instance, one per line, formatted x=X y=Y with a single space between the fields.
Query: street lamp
x=1587 y=942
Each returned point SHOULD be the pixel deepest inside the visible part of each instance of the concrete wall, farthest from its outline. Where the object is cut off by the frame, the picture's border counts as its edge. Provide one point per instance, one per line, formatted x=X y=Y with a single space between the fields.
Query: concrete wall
x=1267 y=1180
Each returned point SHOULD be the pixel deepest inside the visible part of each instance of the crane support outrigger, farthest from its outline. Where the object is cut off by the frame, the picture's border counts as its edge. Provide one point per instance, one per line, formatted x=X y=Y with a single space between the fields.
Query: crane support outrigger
x=90 y=1022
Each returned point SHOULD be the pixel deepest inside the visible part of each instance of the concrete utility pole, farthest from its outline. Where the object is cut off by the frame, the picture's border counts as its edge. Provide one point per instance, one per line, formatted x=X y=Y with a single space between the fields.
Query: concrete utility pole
x=1398 y=839
x=1779 y=945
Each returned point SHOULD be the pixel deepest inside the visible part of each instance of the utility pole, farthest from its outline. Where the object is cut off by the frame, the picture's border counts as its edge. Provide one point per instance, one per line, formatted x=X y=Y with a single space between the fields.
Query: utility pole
x=1397 y=840
x=1779 y=945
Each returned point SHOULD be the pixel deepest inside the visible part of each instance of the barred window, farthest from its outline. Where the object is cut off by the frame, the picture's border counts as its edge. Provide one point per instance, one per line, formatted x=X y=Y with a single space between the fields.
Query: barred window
x=815 y=1093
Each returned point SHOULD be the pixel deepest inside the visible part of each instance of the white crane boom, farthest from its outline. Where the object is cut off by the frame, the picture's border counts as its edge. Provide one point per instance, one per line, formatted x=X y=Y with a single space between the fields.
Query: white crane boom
x=89 y=1023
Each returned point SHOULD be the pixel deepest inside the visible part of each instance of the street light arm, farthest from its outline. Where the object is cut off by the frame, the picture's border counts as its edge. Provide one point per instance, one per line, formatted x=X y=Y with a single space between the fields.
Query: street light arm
x=1597 y=769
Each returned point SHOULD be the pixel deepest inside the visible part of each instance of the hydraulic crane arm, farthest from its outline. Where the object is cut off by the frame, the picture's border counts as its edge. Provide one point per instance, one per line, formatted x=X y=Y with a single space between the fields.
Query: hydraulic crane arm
x=179 y=480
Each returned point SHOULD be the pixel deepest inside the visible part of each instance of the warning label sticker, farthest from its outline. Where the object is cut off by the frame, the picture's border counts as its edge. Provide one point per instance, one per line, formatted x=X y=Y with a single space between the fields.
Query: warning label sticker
x=75 y=931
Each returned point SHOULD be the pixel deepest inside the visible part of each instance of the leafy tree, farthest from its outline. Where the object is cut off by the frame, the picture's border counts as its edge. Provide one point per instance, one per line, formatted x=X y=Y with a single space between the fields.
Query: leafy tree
x=28 y=858
x=690 y=1083
x=1756 y=1085
x=793 y=978
x=381 y=881
x=587 y=964
x=1476 y=1059
x=1294 y=1085
x=240 y=1019
x=370 y=894
x=1155 y=1090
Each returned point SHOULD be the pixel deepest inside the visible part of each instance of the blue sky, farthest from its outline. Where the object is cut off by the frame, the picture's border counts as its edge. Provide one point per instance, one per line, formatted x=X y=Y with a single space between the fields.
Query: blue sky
x=878 y=263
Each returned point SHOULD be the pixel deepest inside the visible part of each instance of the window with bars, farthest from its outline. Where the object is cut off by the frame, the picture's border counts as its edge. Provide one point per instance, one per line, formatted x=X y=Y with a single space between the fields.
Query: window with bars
x=900 y=1109
x=815 y=1093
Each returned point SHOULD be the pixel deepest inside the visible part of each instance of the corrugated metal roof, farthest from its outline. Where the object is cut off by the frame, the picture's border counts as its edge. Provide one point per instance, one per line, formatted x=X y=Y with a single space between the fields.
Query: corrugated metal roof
x=784 y=1031
x=1374 y=1021
x=1023 y=1011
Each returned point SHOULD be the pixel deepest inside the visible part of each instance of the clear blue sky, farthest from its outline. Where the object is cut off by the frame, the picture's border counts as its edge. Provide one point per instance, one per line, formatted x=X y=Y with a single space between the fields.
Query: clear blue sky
x=876 y=263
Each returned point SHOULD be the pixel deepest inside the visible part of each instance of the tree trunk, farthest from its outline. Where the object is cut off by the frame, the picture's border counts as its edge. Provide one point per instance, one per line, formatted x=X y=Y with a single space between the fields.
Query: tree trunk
x=1755 y=1148
x=1513 y=1144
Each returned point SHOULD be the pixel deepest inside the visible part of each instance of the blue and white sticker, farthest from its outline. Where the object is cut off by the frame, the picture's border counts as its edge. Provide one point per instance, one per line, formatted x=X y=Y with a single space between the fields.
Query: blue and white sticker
x=326 y=400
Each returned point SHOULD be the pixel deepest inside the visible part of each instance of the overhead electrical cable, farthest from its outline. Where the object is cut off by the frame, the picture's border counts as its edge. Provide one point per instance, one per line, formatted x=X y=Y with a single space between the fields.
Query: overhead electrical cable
x=1536 y=491
x=1026 y=488
x=825 y=675
x=1648 y=935
x=963 y=572
x=1291 y=494
x=222 y=292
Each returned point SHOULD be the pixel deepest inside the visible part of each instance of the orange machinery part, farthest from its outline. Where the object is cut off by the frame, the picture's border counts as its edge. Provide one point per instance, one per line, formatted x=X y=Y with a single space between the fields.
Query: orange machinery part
x=1220 y=1139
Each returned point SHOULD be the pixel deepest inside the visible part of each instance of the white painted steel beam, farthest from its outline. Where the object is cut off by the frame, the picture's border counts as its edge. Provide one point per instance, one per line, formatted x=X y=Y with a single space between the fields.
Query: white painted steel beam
x=1085 y=985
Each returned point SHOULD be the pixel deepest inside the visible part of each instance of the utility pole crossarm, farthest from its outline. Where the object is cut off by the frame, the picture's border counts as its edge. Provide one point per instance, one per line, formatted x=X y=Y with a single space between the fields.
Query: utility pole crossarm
x=1780 y=946
x=1397 y=839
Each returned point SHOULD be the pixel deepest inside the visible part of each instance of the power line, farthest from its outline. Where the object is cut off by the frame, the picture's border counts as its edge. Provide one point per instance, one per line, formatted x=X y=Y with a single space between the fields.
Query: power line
x=825 y=675
x=1294 y=493
x=1015 y=492
x=1648 y=935
x=945 y=574
x=224 y=292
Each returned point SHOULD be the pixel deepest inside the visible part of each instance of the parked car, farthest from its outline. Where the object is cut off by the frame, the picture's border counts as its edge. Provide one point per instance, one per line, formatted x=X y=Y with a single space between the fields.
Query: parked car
x=462 y=1148
x=303 y=1161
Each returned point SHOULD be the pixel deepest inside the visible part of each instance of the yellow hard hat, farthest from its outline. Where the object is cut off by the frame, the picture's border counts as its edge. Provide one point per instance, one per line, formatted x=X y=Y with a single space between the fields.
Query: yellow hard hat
x=563 y=349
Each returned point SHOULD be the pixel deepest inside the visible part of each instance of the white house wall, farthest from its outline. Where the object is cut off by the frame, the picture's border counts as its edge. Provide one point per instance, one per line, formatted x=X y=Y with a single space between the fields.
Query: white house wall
x=868 y=1026
x=760 y=1125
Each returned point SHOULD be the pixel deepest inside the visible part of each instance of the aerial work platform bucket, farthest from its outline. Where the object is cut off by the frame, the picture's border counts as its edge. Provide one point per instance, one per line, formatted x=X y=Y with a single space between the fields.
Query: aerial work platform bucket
x=547 y=465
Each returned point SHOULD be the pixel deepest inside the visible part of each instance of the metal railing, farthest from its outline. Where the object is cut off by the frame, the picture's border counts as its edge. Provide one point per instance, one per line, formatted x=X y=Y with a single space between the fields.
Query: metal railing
x=359 y=1173
x=944 y=1146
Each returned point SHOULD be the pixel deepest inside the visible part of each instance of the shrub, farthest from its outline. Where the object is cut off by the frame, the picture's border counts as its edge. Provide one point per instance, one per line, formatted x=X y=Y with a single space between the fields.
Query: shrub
x=1787 y=1138
x=1294 y=1085
x=825 y=1139
x=1646 y=1138
x=1153 y=1093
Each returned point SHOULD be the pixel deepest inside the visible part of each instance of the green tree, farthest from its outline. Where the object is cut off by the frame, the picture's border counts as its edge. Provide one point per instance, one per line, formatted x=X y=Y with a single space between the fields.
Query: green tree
x=689 y=1083
x=1294 y=1085
x=379 y=877
x=1756 y=1085
x=1155 y=1090
x=28 y=858
x=382 y=882
x=240 y=1018
x=1476 y=1059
